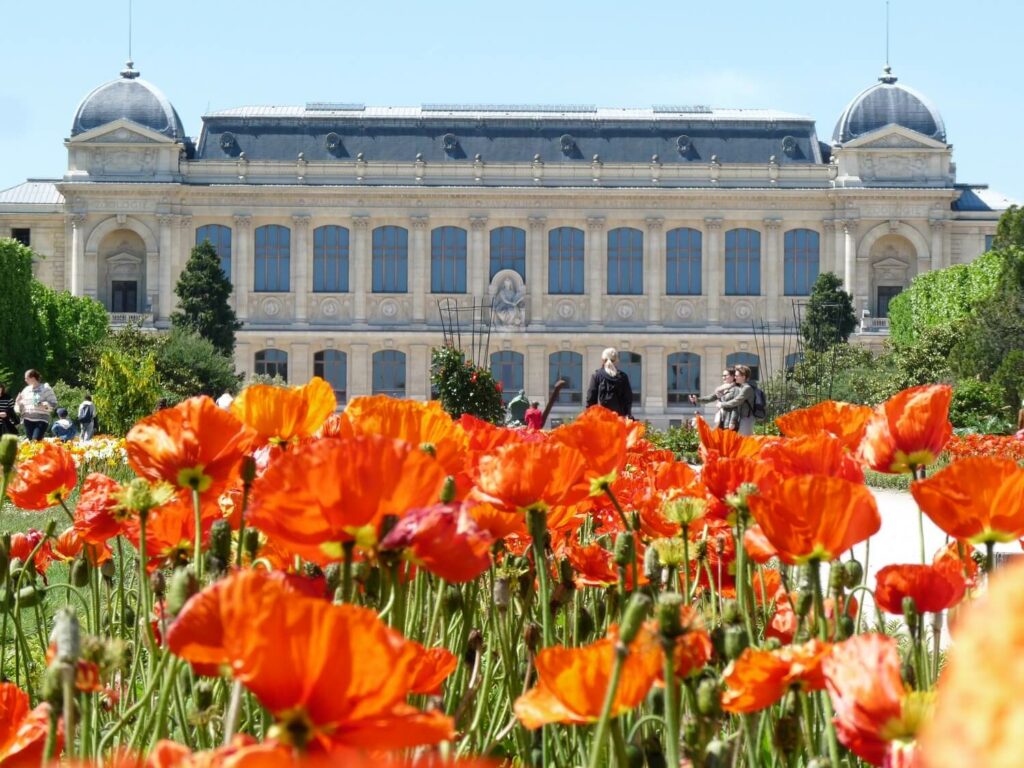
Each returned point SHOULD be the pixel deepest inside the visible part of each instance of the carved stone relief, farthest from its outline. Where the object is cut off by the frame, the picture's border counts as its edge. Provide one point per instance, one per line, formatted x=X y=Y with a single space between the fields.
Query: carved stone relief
x=508 y=307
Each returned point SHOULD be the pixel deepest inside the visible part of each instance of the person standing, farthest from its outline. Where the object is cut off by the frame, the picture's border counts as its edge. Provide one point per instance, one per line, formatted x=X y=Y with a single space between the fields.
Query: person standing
x=534 y=417
x=609 y=387
x=35 y=403
x=8 y=418
x=738 y=404
x=720 y=393
x=87 y=417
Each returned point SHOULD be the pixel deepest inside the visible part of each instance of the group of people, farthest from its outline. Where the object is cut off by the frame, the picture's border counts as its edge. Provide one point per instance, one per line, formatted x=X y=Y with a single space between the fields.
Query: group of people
x=36 y=405
x=735 y=398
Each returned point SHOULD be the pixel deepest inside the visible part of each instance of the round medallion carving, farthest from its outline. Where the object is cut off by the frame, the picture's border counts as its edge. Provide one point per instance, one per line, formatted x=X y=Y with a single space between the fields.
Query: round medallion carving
x=684 y=310
x=744 y=310
x=566 y=309
x=271 y=307
x=329 y=307
x=625 y=310
x=389 y=308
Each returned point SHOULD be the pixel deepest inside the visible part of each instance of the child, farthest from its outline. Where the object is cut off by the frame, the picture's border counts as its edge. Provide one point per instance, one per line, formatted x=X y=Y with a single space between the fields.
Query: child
x=63 y=427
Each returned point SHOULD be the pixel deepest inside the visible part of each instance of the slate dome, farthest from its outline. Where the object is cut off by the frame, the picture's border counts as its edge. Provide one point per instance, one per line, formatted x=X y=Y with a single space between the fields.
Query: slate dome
x=887 y=103
x=129 y=98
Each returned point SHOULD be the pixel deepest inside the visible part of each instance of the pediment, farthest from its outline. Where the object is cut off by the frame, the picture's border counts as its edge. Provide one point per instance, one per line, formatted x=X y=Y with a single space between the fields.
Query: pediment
x=894 y=136
x=121 y=132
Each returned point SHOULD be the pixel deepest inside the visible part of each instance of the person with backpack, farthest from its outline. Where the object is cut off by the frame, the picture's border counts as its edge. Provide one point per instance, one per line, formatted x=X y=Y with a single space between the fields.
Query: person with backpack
x=720 y=393
x=609 y=387
x=9 y=420
x=35 y=403
x=63 y=428
x=738 y=404
x=87 y=417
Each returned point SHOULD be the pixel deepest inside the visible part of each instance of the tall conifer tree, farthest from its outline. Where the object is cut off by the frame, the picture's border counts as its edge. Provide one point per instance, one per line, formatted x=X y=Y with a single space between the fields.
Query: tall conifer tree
x=203 y=291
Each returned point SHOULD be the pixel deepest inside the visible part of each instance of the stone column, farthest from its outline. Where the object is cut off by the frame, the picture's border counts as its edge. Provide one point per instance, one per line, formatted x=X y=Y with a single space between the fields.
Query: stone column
x=595 y=266
x=478 y=268
x=656 y=380
x=243 y=358
x=242 y=253
x=418 y=272
x=536 y=379
x=839 y=248
x=772 y=269
x=850 y=256
x=77 y=254
x=711 y=367
x=300 y=364
x=184 y=239
x=359 y=372
x=361 y=266
x=654 y=268
x=937 y=226
x=302 y=261
x=827 y=255
x=417 y=376
x=536 y=274
x=158 y=275
x=713 y=267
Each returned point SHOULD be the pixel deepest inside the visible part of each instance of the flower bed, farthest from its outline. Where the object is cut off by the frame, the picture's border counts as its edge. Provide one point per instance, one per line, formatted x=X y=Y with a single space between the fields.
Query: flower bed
x=999 y=446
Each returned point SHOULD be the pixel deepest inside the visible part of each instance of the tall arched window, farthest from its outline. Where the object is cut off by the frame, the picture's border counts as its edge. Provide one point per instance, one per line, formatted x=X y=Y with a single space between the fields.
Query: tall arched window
x=330 y=259
x=272 y=269
x=390 y=260
x=632 y=364
x=801 y=261
x=625 y=261
x=682 y=262
x=507 y=368
x=683 y=377
x=389 y=373
x=567 y=366
x=748 y=359
x=448 y=260
x=742 y=262
x=219 y=237
x=332 y=366
x=565 y=260
x=508 y=250
x=271 y=362
x=793 y=359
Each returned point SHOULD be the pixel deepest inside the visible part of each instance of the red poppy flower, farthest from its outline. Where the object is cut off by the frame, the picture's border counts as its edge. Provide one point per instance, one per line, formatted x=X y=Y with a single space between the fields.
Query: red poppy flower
x=572 y=682
x=445 y=540
x=726 y=442
x=524 y=475
x=358 y=480
x=194 y=445
x=693 y=649
x=814 y=517
x=497 y=522
x=171 y=530
x=602 y=437
x=281 y=414
x=933 y=588
x=431 y=668
x=908 y=430
x=722 y=475
x=331 y=675
x=44 y=479
x=758 y=678
x=843 y=420
x=956 y=557
x=97 y=514
x=820 y=454
x=758 y=546
x=976 y=499
x=69 y=544
x=23 y=544
x=87 y=673
x=22 y=729
x=595 y=566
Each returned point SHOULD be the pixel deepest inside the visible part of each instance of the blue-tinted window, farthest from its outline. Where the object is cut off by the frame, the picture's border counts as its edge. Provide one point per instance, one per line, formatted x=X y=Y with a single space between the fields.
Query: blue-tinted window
x=625 y=261
x=330 y=259
x=801 y=261
x=683 y=377
x=220 y=238
x=272 y=270
x=682 y=262
x=748 y=359
x=793 y=359
x=508 y=250
x=271 y=362
x=332 y=366
x=989 y=240
x=742 y=262
x=632 y=364
x=567 y=366
x=389 y=373
x=507 y=368
x=565 y=260
x=448 y=260
x=390 y=260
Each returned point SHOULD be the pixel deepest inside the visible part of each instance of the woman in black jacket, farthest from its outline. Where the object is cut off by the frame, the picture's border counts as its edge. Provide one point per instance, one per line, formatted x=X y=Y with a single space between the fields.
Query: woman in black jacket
x=8 y=418
x=609 y=387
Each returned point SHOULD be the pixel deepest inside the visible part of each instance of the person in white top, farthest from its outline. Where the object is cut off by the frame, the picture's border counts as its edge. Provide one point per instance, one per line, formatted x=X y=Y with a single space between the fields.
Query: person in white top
x=225 y=400
x=35 y=403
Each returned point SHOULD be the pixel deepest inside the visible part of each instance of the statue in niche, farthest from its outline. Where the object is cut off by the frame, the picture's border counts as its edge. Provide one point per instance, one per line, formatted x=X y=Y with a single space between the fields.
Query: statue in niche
x=508 y=305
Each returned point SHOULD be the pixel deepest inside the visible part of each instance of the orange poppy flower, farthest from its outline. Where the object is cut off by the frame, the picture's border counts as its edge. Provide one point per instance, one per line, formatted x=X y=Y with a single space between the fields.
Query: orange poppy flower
x=87 y=673
x=843 y=420
x=44 y=479
x=281 y=414
x=956 y=556
x=358 y=480
x=22 y=729
x=726 y=442
x=23 y=544
x=601 y=436
x=820 y=454
x=171 y=530
x=595 y=566
x=758 y=678
x=693 y=649
x=978 y=704
x=976 y=499
x=758 y=546
x=933 y=588
x=497 y=522
x=445 y=540
x=572 y=682
x=432 y=667
x=523 y=475
x=483 y=438
x=722 y=475
x=908 y=430
x=331 y=675
x=814 y=517
x=97 y=514
x=870 y=702
x=783 y=623
x=70 y=544
x=194 y=445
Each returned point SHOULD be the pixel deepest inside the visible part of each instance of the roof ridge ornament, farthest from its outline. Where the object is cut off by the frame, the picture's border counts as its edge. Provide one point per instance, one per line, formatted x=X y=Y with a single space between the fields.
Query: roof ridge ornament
x=129 y=72
x=887 y=76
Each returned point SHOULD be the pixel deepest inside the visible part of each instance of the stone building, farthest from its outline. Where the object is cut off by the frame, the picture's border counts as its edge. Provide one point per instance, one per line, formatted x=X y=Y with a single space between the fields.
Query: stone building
x=671 y=233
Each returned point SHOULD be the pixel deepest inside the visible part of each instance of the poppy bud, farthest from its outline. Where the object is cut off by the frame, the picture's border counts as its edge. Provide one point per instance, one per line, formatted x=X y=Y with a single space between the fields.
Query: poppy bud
x=158 y=584
x=910 y=613
x=448 y=490
x=29 y=597
x=584 y=624
x=684 y=511
x=854 y=573
x=625 y=549
x=251 y=542
x=667 y=611
x=836 y=579
x=634 y=756
x=820 y=762
x=787 y=734
x=66 y=636
x=80 y=572
x=804 y=601
x=5 y=557
x=107 y=569
x=652 y=566
x=53 y=688
x=656 y=698
x=709 y=698
x=908 y=673
x=531 y=636
x=636 y=611
x=501 y=594
x=248 y=471
x=452 y=600
x=653 y=752
x=736 y=641
x=182 y=586
x=565 y=574
x=771 y=644
x=220 y=540
x=8 y=452
x=731 y=613
x=718 y=755
x=203 y=692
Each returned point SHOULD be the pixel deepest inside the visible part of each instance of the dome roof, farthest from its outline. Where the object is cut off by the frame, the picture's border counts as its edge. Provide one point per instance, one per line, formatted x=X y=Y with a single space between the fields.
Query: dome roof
x=128 y=98
x=887 y=103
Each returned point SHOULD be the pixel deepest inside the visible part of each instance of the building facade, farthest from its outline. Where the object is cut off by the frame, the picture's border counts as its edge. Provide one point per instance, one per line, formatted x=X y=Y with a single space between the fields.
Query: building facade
x=683 y=236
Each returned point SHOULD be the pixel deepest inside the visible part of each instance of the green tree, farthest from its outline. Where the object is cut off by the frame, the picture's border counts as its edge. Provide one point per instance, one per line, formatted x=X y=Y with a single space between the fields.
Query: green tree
x=22 y=344
x=188 y=365
x=71 y=325
x=463 y=387
x=1010 y=229
x=829 y=318
x=203 y=291
x=126 y=389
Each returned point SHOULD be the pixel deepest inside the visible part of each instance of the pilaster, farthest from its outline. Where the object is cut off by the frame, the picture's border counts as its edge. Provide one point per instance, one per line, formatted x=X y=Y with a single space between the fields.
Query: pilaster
x=418 y=280
x=654 y=268
x=937 y=227
x=77 y=253
x=595 y=266
x=300 y=364
x=158 y=271
x=850 y=255
x=359 y=372
x=827 y=260
x=242 y=253
x=656 y=380
x=536 y=281
x=361 y=266
x=773 y=268
x=478 y=267
x=713 y=268
x=536 y=373
x=417 y=375
x=301 y=265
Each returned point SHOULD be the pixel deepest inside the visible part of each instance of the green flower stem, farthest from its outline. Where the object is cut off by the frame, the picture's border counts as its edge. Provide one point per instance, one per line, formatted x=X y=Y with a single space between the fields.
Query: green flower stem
x=749 y=741
x=671 y=703
x=819 y=610
x=601 y=734
x=619 y=743
x=537 y=523
x=197 y=556
x=347 y=550
x=743 y=587
x=686 y=563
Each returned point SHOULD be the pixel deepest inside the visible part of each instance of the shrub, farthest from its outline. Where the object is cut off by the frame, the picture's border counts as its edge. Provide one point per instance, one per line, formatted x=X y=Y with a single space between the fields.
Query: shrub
x=979 y=405
x=190 y=365
x=682 y=441
x=126 y=390
x=463 y=387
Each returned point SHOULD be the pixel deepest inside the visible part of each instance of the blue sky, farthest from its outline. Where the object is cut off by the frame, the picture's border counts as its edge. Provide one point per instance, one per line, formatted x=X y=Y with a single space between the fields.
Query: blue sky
x=791 y=55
